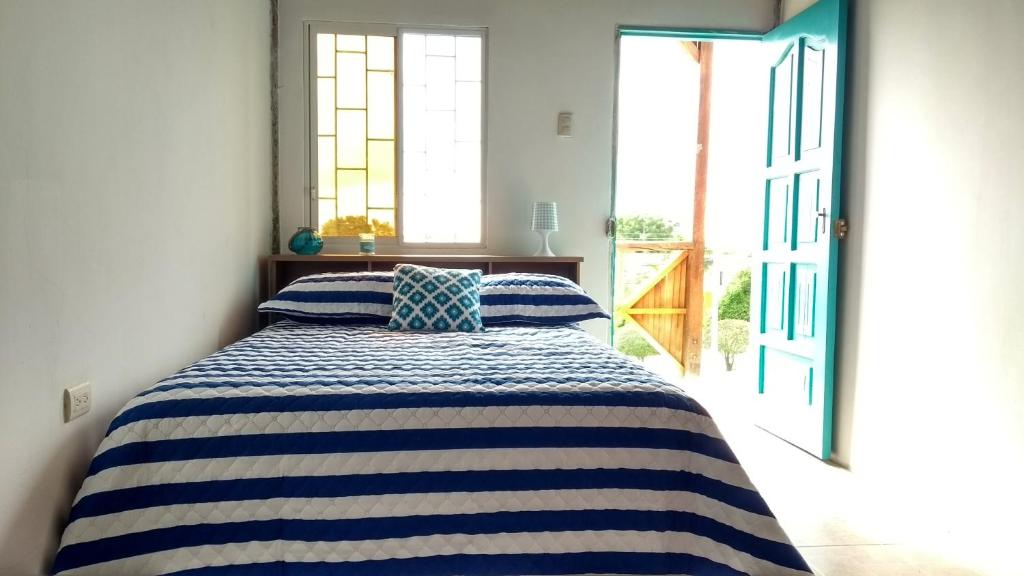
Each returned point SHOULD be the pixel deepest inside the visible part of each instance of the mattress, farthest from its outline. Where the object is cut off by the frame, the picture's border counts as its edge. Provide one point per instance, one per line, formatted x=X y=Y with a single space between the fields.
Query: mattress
x=308 y=449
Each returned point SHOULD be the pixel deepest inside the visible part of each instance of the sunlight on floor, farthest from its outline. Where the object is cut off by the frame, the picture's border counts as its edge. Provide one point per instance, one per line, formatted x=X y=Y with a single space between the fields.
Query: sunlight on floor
x=841 y=528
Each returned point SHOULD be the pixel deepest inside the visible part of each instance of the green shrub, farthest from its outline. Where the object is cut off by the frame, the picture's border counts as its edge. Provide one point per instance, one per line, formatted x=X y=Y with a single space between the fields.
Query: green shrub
x=735 y=304
x=646 y=228
x=632 y=343
x=733 y=339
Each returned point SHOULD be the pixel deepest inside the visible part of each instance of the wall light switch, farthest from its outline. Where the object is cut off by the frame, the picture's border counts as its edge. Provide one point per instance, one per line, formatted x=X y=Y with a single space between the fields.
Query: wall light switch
x=77 y=401
x=565 y=124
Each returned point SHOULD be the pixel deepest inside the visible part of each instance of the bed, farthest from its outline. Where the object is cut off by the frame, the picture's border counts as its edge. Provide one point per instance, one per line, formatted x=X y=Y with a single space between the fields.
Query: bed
x=321 y=449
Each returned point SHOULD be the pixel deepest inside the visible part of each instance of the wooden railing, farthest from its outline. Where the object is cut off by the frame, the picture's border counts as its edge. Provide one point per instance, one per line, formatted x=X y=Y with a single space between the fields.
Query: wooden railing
x=668 y=308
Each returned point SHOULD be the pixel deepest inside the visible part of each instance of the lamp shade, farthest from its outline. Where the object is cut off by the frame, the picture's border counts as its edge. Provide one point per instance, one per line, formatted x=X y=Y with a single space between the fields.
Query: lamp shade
x=545 y=216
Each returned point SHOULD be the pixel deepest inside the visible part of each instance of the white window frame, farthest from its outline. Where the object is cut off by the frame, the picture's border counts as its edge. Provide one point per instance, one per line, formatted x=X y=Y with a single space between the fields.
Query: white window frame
x=311 y=204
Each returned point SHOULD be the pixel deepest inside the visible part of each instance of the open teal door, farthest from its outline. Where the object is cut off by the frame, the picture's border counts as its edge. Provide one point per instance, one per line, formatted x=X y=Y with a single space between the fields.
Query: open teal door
x=795 y=270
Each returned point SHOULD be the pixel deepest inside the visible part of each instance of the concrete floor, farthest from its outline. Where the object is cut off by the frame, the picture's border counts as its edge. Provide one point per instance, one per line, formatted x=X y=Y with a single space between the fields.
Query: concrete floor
x=839 y=528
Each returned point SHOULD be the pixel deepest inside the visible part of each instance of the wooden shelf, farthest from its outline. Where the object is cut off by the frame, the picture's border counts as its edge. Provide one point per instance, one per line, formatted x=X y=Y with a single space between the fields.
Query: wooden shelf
x=284 y=268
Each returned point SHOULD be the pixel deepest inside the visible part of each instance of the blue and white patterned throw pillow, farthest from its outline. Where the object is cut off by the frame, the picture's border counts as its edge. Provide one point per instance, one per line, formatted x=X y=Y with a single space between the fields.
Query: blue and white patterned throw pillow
x=439 y=299
x=544 y=299
x=335 y=298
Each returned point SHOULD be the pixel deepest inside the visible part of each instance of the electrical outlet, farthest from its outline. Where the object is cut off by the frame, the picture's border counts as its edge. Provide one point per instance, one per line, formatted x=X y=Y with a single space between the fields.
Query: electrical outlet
x=77 y=401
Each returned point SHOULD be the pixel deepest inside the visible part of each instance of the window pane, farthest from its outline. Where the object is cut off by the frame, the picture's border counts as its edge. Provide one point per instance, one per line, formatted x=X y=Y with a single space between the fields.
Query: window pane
x=383 y=222
x=351 y=139
x=351 y=192
x=325 y=212
x=356 y=132
x=414 y=116
x=414 y=59
x=351 y=42
x=440 y=141
x=382 y=174
x=467 y=192
x=438 y=45
x=325 y=105
x=325 y=54
x=381 y=91
x=380 y=53
x=325 y=166
x=442 y=127
x=468 y=54
x=440 y=83
x=414 y=174
x=351 y=80
x=467 y=111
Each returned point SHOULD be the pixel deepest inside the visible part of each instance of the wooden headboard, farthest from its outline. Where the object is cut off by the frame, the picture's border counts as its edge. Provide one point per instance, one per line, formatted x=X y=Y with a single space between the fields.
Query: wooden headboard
x=284 y=268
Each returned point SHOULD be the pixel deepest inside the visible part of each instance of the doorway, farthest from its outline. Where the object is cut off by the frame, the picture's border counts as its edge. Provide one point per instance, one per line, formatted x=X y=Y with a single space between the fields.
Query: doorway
x=690 y=133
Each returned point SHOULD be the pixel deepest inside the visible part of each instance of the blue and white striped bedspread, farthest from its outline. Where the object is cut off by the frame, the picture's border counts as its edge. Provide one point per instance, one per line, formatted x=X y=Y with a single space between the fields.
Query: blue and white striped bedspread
x=314 y=450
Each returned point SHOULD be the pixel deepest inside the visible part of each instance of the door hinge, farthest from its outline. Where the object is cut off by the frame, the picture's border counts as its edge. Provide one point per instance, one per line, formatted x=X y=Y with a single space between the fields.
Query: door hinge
x=841 y=228
x=610 y=227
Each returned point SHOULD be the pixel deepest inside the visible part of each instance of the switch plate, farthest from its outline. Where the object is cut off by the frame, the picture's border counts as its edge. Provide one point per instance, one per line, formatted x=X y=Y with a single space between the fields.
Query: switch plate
x=77 y=401
x=565 y=124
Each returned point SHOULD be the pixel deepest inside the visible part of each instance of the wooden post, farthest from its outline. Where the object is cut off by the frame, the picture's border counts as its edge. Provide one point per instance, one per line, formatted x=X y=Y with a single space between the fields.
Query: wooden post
x=695 y=281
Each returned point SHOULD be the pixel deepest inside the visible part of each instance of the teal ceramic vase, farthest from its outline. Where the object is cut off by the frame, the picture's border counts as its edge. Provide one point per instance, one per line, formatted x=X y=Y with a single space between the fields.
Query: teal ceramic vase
x=306 y=241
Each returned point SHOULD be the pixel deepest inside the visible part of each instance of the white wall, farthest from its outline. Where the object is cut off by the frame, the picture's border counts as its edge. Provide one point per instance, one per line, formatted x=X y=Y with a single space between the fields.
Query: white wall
x=930 y=382
x=791 y=8
x=134 y=202
x=545 y=56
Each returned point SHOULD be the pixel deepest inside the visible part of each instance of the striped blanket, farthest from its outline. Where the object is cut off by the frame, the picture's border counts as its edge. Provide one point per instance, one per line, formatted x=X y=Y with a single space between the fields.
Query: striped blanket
x=311 y=450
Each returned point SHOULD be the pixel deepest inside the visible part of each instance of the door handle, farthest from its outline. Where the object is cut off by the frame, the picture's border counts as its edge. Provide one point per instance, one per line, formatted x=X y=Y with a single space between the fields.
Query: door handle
x=824 y=221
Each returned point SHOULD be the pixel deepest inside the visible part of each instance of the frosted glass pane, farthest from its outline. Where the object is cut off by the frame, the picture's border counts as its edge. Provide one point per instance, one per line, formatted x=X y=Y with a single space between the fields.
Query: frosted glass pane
x=350 y=42
x=351 y=80
x=413 y=59
x=380 y=53
x=381 y=188
x=440 y=83
x=468 y=54
x=351 y=192
x=325 y=212
x=440 y=141
x=414 y=182
x=381 y=91
x=441 y=134
x=467 y=111
x=325 y=105
x=437 y=211
x=414 y=117
x=383 y=222
x=467 y=163
x=325 y=166
x=325 y=54
x=351 y=139
x=414 y=174
x=438 y=45
x=467 y=187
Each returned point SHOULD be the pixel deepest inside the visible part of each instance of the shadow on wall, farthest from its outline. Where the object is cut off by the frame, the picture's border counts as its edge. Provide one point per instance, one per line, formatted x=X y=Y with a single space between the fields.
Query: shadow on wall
x=29 y=539
x=851 y=267
x=67 y=468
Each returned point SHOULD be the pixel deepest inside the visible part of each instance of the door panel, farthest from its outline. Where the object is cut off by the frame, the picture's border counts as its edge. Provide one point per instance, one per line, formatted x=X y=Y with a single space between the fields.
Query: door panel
x=780 y=123
x=795 y=279
x=776 y=299
x=808 y=229
x=777 y=213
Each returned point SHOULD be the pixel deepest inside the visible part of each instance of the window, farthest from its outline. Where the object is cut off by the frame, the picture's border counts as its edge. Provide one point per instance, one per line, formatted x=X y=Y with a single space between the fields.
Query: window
x=396 y=124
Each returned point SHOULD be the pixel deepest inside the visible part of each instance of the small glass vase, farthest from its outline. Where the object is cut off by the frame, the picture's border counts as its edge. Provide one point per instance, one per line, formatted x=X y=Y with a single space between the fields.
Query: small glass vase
x=367 y=243
x=306 y=242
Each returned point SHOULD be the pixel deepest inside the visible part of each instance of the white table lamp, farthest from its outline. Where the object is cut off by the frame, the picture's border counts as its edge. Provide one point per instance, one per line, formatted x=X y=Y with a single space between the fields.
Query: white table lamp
x=545 y=221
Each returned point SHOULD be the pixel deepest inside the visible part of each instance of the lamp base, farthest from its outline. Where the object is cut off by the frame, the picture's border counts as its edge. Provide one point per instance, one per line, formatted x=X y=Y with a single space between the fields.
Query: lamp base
x=545 y=248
